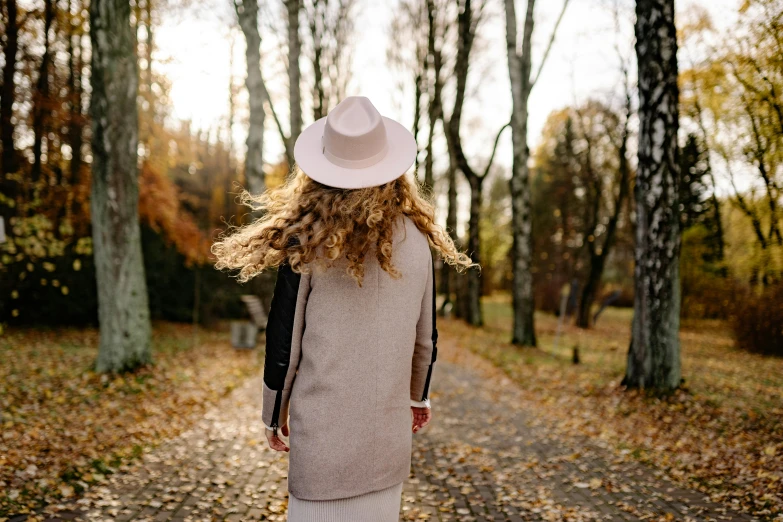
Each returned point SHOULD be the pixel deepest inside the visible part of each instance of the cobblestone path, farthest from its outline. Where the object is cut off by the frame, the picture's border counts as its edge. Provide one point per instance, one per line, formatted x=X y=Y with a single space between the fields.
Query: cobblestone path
x=484 y=457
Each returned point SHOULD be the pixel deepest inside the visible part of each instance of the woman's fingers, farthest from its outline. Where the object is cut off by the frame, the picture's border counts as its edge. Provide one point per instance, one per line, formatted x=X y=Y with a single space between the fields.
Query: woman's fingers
x=421 y=417
x=424 y=418
x=275 y=442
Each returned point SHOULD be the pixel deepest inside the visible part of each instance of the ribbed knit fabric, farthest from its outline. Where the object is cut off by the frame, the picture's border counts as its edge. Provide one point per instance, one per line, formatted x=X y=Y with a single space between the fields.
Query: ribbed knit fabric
x=376 y=506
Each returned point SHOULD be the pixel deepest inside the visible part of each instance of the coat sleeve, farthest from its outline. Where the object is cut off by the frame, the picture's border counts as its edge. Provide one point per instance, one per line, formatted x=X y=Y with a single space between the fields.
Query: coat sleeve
x=284 y=331
x=425 y=351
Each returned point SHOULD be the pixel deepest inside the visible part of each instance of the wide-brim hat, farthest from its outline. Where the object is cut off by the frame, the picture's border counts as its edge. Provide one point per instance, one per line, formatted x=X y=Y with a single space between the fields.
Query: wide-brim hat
x=355 y=147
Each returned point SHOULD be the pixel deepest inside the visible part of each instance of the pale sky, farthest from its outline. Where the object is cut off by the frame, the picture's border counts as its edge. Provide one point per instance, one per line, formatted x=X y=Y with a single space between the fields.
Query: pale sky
x=194 y=53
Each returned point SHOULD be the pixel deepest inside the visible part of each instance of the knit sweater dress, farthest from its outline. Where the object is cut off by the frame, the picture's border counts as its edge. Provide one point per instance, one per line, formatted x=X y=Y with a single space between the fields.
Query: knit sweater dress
x=343 y=365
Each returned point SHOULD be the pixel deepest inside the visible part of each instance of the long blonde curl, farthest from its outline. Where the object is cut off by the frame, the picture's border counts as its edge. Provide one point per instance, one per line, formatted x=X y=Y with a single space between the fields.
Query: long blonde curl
x=304 y=221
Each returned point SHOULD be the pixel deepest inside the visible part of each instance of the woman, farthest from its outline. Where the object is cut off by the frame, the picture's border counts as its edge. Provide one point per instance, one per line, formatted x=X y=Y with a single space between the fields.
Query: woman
x=350 y=342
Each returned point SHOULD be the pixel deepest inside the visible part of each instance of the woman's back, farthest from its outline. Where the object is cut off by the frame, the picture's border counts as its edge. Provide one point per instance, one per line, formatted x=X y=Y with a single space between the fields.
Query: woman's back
x=350 y=341
x=365 y=352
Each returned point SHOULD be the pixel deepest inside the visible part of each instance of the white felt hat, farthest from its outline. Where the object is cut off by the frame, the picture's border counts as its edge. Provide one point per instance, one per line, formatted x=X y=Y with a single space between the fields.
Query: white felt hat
x=354 y=147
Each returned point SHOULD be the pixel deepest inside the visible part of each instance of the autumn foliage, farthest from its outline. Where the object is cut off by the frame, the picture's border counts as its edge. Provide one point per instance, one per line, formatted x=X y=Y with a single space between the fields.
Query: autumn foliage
x=160 y=209
x=720 y=433
x=66 y=427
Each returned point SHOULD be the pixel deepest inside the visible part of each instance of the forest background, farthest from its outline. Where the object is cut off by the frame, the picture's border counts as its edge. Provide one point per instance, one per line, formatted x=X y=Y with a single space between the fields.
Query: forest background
x=223 y=89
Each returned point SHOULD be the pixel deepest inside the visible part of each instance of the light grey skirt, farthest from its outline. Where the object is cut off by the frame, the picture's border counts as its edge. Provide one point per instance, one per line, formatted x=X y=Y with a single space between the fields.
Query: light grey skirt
x=376 y=506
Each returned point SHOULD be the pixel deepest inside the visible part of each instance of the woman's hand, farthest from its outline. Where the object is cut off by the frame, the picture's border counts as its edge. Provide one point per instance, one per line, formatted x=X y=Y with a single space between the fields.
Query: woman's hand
x=275 y=442
x=421 y=417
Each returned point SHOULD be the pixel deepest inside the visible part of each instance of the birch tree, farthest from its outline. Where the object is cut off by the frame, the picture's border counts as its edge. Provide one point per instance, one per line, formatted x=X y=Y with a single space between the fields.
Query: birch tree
x=123 y=309
x=654 y=353
x=519 y=71
x=247 y=14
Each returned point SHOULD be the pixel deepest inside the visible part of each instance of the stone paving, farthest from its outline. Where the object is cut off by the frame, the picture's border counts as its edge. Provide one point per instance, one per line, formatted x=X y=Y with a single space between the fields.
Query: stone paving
x=484 y=457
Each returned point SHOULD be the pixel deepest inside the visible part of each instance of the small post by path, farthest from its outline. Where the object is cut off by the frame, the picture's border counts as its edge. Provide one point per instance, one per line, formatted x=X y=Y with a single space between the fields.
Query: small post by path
x=196 y=303
x=563 y=304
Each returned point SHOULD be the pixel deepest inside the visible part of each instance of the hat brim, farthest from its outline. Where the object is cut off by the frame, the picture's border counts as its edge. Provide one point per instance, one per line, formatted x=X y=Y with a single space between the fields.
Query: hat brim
x=309 y=155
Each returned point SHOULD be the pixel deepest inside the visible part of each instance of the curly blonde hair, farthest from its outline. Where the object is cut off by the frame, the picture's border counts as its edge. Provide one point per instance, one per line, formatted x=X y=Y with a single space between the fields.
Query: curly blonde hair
x=305 y=221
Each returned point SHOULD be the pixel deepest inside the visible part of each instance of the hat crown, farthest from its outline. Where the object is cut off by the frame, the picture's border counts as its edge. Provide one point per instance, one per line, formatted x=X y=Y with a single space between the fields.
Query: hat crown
x=354 y=135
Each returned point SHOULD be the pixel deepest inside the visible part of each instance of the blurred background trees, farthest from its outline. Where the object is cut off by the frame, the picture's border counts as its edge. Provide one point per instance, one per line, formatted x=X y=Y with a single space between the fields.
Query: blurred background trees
x=731 y=104
x=48 y=272
x=561 y=185
x=551 y=217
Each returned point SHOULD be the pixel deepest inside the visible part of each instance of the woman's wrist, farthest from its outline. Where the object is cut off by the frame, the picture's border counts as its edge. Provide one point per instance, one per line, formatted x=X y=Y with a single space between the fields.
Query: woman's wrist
x=421 y=404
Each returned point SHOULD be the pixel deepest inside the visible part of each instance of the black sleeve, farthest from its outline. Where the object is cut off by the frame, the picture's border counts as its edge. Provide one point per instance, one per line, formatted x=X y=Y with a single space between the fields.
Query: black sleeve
x=434 y=338
x=280 y=326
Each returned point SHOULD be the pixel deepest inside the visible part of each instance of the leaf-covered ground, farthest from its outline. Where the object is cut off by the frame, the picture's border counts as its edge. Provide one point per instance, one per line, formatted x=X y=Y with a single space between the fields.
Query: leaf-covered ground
x=64 y=427
x=721 y=433
x=488 y=455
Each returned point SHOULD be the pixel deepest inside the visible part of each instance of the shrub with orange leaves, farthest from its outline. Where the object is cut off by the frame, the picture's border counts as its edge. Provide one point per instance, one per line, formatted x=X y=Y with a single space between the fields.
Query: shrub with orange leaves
x=160 y=208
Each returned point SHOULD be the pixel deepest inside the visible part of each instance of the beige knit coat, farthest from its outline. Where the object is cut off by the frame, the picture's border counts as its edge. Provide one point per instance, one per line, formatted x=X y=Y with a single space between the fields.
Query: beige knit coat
x=358 y=356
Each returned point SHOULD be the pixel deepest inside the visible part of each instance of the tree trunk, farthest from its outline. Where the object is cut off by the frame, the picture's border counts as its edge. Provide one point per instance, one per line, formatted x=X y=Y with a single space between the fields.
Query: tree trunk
x=435 y=106
x=123 y=309
x=75 y=121
x=473 y=305
x=10 y=161
x=294 y=93
x=429 y=164
x=598 y=259
x=470 y=300
x=590 y=289
x=417 y=94
x=654 y=353
x=467 y=291
x=150 y=46
x=434 y=114
x=317 y=35
x=447 y=273
x=247 y=13
x=41 y=99
x=521 y=226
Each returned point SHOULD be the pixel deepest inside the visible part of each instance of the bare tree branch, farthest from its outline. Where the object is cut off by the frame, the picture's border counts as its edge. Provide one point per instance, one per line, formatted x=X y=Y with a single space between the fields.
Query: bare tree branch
x=494 y=148
x=549 y=45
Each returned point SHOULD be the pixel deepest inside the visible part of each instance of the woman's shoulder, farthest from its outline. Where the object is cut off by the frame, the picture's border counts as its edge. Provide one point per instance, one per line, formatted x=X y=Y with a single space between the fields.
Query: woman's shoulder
x=411 y=243
x=410 y=230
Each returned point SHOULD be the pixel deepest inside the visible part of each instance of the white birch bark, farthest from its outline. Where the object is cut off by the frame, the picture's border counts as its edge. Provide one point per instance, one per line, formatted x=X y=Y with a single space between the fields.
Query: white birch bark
x=654 y=353
x=519 y=73
x=519 y=68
